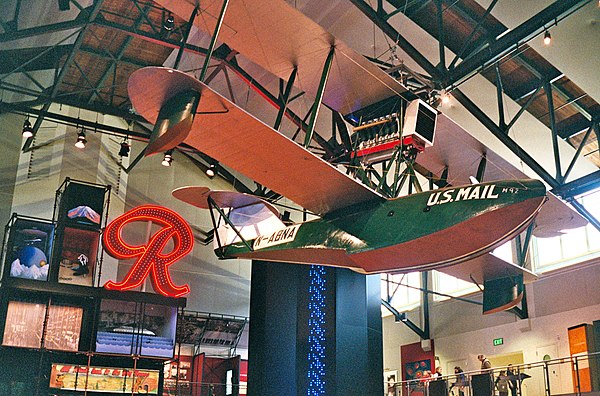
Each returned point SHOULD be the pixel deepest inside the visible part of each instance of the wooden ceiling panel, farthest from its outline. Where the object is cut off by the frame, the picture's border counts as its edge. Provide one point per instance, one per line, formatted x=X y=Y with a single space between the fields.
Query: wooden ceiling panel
x=146 y=52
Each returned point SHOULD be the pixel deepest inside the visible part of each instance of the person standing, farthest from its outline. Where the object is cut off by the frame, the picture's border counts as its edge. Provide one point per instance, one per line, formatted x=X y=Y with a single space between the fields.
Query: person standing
x=438 y=373
x=460 y=381
x=486 y=365
x=512 y=380
x=501 y=384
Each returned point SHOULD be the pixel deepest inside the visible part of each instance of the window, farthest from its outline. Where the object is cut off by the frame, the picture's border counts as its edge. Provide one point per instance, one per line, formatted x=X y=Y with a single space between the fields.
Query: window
x=402 y=291
x=573 y=246
x=450 y=285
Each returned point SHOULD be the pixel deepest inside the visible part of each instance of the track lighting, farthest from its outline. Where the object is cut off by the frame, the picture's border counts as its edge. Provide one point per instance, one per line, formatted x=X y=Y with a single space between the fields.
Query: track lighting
x=27 y=129
x=168 y=158
x=124 y=150
x=211 y=171
x=81 y=140
x=547 y=38
x=444 y=97
x=169 y=23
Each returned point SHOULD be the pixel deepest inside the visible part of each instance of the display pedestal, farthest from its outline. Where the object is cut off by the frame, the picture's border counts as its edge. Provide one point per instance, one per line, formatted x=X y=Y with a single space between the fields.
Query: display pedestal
x=314 y=329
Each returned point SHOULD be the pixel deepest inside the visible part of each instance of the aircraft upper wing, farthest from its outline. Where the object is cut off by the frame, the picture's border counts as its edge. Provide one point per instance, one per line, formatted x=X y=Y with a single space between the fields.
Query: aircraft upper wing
x=458 y=150
x=237 y=139
x=278 y=37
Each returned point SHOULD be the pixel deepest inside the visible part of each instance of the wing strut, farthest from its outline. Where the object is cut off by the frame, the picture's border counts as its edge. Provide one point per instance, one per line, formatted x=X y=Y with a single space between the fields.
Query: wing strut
x=213 y=205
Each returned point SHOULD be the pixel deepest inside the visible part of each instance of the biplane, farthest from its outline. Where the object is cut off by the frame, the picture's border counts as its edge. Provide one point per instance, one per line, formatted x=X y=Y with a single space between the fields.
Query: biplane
x=451 y=229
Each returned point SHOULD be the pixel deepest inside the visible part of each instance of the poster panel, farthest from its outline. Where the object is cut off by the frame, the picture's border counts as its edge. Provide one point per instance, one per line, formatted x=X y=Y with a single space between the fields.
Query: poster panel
x=104 y=379
x=78 y=256
x=82 y=204
x=29 y=249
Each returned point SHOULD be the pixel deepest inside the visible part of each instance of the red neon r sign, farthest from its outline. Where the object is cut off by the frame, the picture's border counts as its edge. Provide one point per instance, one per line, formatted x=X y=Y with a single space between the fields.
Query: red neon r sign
x=151 y=259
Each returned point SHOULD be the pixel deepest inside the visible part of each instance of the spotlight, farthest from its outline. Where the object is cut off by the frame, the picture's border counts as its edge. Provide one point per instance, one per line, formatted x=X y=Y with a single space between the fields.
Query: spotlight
x=81 y=140
x=124 y=150
x=168 y=158
x=211 y=171
x=169 y=23
x=444 y=97
x=27 y=129
x=547 y=38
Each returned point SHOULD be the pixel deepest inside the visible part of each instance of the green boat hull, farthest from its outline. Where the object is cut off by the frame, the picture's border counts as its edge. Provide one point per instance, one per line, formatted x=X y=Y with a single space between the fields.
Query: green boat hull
x=420 y=231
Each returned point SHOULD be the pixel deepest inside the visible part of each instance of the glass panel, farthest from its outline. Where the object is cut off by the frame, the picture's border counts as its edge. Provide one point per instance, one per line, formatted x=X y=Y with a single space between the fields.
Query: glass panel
x=447 y=284
x=104 y=379
x=64 y=326
x=574 y=243
x=24 y=323
x=78 y=256
x=29 y=249
x=117 y=327
x=548 y=251
x=158 y=332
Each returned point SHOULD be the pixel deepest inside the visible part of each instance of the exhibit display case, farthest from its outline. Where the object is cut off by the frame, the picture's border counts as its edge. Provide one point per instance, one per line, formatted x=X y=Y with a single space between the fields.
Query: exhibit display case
x=28 y=248
x=136 y=328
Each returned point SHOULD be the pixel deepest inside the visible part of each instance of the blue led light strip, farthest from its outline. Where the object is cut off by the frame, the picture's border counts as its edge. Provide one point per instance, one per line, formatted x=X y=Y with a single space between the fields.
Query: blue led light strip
x=316 y=335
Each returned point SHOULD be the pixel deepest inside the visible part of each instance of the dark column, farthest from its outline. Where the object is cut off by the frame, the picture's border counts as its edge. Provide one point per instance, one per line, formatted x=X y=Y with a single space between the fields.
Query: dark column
x=332 y=315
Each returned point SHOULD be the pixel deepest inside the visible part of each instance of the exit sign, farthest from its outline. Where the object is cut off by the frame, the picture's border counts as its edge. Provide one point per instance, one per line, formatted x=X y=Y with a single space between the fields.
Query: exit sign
x=498 y=341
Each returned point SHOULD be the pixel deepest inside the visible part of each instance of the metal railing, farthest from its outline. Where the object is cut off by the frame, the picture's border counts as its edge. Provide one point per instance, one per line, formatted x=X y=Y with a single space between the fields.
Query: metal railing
x=572 y=375
x=184 y=388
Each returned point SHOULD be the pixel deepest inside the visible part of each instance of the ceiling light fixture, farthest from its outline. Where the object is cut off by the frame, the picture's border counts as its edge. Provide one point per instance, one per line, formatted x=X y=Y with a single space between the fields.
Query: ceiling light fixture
x=444 y=97
x=547 y=38
x=168 y=158
x=27 y=129
x=124 y=150
x=211 y=171
x=169 y=23
x=81 y=140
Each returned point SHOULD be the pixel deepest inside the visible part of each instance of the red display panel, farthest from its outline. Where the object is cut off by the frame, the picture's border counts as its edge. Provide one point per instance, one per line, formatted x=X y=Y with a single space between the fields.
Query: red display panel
x=151 y=260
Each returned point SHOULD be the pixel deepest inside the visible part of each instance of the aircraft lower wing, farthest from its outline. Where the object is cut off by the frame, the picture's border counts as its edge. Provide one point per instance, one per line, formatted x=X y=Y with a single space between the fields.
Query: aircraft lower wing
x=487 y=267
x=279 y=38
x=237 y=139
x=461 y=153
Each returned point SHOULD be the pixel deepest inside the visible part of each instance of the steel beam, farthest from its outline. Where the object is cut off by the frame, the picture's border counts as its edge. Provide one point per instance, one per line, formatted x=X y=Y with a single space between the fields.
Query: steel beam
x=513 y=39
x=555 y=149
x=425 y=303
x=117 y=57
x=401 y=317
x=93 y=13
x=480 y=21
x=392 y=33
x=76 y=23
x=504 y=138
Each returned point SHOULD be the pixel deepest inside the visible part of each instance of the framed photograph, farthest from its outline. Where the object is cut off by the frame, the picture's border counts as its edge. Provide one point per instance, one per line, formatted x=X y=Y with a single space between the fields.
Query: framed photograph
x=389 y=379
x=415 y=370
